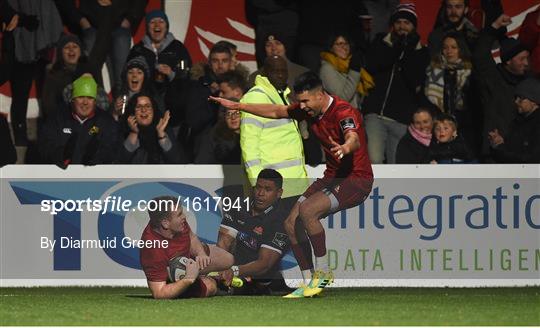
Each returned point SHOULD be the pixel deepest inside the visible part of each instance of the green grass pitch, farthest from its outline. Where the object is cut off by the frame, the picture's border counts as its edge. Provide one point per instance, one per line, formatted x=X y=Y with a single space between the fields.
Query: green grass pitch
x=338 y=306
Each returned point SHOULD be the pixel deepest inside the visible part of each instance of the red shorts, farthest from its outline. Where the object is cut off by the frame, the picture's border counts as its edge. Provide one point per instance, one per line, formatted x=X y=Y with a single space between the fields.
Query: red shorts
x=346 y=193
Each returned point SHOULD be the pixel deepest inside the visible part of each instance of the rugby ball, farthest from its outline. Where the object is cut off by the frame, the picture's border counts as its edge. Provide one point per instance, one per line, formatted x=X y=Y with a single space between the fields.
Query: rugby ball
x=177 y=268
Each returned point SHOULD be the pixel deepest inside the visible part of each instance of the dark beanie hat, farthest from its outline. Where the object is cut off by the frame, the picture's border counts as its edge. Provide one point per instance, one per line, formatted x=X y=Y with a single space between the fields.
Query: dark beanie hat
x=405 y=11
x=140 y=63
x=529 y=89
x=157 y=14
x=67 y=38
x=510 y=47
x=275 y=36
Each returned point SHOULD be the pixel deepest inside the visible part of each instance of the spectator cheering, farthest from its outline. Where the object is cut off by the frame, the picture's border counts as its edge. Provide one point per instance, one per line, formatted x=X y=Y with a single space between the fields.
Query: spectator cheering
x=166 y=56
x=107 y=26
x=149 y=139
x=135 y=79
x=69 y=60
x=497 y=82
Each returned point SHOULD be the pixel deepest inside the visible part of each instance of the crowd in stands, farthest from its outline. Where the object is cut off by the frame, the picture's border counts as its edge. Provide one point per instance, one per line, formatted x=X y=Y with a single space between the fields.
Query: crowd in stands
x=445 y=102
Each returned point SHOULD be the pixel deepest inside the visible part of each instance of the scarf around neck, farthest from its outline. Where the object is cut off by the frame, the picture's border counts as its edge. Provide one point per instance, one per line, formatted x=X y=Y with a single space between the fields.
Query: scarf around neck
x=366 y=82
x=341 y=65
x=421 y=137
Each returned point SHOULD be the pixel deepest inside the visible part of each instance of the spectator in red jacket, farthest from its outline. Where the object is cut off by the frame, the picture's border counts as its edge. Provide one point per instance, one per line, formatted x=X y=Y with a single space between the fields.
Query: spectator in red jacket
x=529 y=35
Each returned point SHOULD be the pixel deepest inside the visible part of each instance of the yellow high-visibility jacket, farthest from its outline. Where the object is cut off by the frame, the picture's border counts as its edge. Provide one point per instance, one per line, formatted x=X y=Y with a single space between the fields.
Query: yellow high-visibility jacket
x=272 y=143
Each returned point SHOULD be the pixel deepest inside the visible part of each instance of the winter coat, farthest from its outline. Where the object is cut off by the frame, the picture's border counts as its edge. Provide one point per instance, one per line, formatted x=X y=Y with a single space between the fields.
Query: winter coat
x=65 y=140
x=522 y=143
x=410 y=151
x=171 y=52
x=399 y=74
x=343 y=85
x=496 y=86
x=217 y=147
x=167 y=151
x=452 y=152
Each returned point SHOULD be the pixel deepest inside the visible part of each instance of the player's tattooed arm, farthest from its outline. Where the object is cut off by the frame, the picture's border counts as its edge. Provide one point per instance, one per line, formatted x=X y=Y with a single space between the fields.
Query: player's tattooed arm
x=264 y=110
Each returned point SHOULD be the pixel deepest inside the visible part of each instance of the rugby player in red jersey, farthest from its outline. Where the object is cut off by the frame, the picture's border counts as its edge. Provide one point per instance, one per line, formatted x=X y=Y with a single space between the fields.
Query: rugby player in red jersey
x=170 y=225
x=348 y=177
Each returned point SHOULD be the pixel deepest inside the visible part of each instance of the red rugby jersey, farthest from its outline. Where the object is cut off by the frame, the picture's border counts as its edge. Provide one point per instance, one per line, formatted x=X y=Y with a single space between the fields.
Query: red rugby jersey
x=154 y=261
x=338 y=119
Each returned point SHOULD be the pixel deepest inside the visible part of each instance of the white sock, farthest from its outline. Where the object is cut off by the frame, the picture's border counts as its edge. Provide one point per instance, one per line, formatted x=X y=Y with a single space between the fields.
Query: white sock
x=321 y=263
x=306 y=276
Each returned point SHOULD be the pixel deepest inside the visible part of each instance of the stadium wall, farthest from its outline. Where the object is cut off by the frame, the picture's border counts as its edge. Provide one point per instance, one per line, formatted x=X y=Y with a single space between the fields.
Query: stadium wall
x=423 y=225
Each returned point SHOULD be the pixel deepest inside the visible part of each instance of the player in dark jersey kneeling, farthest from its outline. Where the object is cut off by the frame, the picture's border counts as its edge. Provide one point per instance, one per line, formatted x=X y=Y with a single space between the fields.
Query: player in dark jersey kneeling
x=257 y=239
x=348 y=177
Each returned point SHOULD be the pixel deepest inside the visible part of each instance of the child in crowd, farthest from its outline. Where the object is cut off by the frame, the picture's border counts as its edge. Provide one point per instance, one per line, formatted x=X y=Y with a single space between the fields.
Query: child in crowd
x=449 y=147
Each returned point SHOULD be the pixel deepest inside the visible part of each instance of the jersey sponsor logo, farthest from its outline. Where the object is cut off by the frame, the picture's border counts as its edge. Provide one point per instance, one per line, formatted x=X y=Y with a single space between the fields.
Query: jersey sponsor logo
x=67 y=130
x=347 y=123
x=280 y=239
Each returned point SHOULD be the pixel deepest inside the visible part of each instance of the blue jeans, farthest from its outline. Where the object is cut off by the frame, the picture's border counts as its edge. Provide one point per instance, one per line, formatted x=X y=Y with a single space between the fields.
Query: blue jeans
x=121 y=43
x=383 y=135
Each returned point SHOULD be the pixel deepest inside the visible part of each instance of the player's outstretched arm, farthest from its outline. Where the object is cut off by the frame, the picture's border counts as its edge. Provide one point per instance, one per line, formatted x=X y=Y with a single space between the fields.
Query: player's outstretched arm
x=264 y=110
x=352 y=143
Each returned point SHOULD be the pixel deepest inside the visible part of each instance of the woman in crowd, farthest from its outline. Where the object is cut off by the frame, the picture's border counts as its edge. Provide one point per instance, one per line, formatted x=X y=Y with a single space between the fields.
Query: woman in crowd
x=134 y=80
x=341 y=72
x=148 y=139
x=413 y=148
x=222 y=144
x=448 y=86
x=69 y=65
